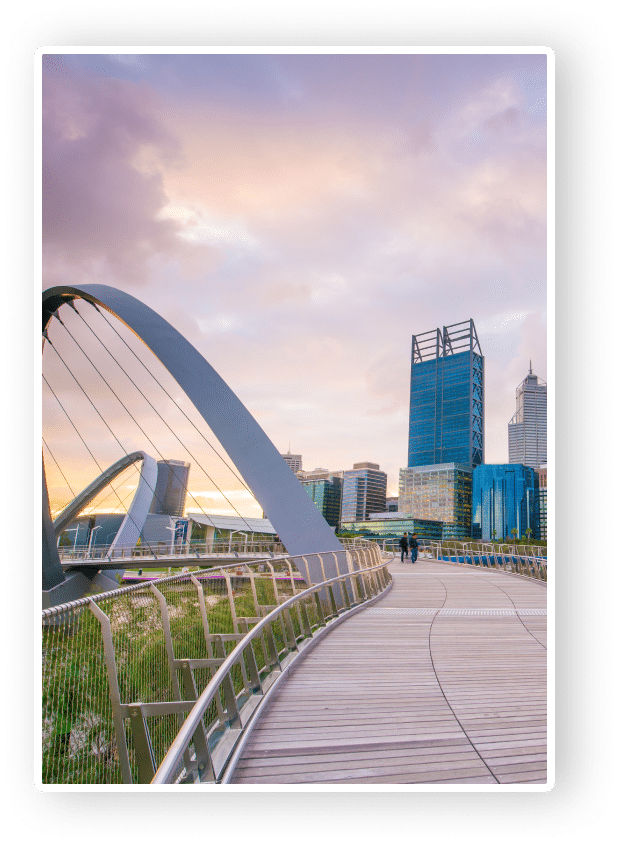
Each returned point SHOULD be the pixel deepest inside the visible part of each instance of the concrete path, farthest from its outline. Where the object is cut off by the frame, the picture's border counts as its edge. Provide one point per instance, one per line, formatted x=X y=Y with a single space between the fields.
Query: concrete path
x=442 y=681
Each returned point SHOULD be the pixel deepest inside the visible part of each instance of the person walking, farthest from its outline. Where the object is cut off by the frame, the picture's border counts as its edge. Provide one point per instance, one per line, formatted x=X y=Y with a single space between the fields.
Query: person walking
x=414 y=545
x=404 y=547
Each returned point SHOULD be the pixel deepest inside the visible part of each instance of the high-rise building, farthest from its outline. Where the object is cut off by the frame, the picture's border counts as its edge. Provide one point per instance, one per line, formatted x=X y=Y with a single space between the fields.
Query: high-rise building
x=440 y=493
x=527 y=430
x=326 y=493
x=364 y=491
x=446 y=422
x=505 y=499
x=295 y=461
x=171 y=488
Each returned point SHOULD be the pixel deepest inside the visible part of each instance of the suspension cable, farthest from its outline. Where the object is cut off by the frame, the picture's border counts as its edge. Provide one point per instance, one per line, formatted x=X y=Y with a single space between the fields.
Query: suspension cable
x=193 y=457
x=58 y=467
x=85 y=444
x=67 y=367
x=172 y=399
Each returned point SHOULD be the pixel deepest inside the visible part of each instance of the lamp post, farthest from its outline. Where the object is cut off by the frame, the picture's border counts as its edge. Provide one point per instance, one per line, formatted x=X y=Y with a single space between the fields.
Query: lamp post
x=92 y=533
x=230 y=539
x=172 y=537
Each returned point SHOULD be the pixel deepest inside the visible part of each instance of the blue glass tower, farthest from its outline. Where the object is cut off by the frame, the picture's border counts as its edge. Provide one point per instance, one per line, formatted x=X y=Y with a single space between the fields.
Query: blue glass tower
x=505 y=499
x=446 y=421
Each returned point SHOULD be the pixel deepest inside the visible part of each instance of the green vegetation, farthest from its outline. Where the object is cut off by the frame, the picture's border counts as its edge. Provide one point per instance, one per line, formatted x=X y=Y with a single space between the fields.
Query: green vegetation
x=79 y=744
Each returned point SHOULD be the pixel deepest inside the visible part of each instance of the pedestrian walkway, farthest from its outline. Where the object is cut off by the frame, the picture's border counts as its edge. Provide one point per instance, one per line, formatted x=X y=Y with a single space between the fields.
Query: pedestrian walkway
x=441 y=681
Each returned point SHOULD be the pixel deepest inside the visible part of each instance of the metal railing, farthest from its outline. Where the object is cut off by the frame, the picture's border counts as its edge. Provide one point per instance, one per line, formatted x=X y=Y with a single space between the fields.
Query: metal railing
x=122 y=669
x=516 y=559
x=167 y=549
x=471 y=547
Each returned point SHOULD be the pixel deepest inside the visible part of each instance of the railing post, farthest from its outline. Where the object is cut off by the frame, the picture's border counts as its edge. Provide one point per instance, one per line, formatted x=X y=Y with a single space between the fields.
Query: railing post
x=233 y=720
x=112 y=679
x=143 y=747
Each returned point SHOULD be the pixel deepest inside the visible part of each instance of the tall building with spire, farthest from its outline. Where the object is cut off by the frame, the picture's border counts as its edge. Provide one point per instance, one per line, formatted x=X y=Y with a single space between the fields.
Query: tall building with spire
x=527 y=430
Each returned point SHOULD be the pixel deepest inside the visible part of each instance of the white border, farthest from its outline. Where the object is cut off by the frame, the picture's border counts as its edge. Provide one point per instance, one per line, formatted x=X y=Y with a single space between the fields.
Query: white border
x=420 y=788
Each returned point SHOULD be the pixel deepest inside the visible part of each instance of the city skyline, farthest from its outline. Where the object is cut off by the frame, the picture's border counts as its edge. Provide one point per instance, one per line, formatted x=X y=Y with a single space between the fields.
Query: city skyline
x=299 y=218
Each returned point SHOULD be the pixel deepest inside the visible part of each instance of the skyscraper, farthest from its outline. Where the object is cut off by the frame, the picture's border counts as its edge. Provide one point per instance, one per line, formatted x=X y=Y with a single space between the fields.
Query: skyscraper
x=527 y=429
x=171 y=488
x=364 y=491
x=446 y=421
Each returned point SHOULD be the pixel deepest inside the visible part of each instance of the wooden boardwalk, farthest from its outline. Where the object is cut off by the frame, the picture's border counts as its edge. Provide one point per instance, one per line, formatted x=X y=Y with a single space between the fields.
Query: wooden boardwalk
x=442 y=681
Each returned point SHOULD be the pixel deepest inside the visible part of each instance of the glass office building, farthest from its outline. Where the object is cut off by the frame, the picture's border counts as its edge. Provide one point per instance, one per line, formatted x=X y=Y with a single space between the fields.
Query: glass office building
x=446 y=420
x=543 y=501
x=364 y=491
x=505 y=499
x=527 y=430
x=442 y=493
x=326 y=493
x=388 y=528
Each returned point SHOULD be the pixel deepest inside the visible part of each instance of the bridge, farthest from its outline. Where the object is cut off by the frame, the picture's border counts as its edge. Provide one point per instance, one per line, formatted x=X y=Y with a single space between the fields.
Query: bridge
x=442 y=681
x=433 y=673
x=313 y=660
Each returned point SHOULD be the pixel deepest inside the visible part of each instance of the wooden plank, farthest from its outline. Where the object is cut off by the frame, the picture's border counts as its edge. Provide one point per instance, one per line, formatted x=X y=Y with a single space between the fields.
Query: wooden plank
x=416 y=698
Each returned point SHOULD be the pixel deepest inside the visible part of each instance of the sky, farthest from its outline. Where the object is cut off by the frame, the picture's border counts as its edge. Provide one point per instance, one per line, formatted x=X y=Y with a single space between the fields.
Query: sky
x=298 y=218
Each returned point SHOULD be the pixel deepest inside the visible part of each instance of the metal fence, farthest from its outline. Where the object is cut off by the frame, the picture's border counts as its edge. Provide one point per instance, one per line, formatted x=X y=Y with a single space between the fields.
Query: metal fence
x=171 y=549
x=517 y=559
x=122 y=669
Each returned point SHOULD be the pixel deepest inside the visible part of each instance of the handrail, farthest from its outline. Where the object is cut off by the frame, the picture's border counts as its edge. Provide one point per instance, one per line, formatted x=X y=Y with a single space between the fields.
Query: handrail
x=208 y=573
x=181 y=743
x=212 y=610
x=510 y=560
x=164 y=550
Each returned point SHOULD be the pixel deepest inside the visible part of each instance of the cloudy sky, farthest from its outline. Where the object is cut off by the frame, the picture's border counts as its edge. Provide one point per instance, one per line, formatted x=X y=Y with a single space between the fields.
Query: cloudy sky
x=298 y=218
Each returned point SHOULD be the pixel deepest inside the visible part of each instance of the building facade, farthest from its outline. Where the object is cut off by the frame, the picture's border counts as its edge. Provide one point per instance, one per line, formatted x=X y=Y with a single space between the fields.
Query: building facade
x=543 y=502
x=446 y=418
x=394 y=528
x=364 y=491
x=527 y=429
x=442 y=492
x=505 y=502
x=171 y=488
x=326 y=493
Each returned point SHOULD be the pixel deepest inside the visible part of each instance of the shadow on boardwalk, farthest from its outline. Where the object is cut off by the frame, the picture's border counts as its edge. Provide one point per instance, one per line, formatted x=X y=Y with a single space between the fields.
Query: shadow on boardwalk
x=442 y=681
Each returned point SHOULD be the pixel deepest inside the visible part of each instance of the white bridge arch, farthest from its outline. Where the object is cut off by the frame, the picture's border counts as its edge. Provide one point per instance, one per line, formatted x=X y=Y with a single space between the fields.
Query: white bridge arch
x=292 y=513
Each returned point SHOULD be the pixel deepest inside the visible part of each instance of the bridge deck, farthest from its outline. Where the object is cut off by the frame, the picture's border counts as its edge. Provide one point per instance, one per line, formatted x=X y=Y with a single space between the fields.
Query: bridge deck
x=413 y=690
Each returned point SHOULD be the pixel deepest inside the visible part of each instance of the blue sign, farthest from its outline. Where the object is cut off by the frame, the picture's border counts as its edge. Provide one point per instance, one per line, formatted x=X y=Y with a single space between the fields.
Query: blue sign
x=180 y=534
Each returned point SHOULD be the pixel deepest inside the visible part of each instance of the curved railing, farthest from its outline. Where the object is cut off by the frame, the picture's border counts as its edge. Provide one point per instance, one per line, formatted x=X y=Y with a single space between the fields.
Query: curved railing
x=121 y=669
x=513 y=559
x=167 y=549
x=193 y=549
x=190 y=759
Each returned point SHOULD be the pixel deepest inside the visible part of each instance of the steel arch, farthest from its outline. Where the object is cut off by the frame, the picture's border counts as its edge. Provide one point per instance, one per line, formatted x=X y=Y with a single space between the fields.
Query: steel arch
x=131 y=526
x=290 y=510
